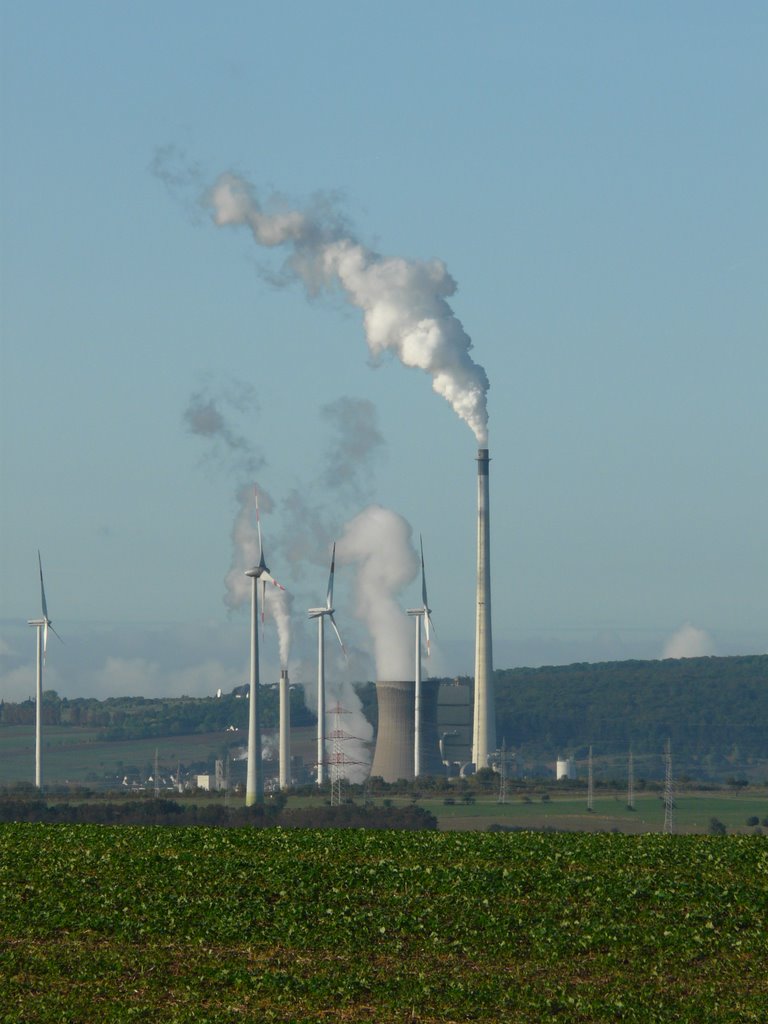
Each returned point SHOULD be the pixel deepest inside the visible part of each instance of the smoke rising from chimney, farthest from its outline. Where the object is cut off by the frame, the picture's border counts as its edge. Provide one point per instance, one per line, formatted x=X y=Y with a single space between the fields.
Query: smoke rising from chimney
x=404 y=302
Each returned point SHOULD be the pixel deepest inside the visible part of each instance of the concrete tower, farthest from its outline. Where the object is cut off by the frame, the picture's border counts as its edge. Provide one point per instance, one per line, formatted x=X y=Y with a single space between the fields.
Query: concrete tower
x=484 y=721
x=393 y=757
x=285 y=730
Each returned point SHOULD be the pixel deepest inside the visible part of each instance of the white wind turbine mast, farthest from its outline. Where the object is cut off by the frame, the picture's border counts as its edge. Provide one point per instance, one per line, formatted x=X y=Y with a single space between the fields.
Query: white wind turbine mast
x=254 y=780
x=320 y=614
x=42 y=626
x=425 y=612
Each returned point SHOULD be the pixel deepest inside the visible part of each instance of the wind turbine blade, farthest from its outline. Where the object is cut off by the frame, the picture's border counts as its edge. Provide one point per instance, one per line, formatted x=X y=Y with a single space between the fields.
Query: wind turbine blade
x=329 y=596
x=258 y=522
x=423 y=578
x=267 y=577
x=55 y=633
x=42 y=586
x=338 y=635
x=427 y=627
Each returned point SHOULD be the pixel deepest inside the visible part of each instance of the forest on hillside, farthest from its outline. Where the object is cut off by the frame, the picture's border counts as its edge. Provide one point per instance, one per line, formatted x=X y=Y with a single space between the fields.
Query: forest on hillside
x=713 y=710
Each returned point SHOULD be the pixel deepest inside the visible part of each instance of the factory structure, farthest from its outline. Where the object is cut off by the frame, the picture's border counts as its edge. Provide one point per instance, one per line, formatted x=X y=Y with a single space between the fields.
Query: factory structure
x=451 y=726
x=445 y=718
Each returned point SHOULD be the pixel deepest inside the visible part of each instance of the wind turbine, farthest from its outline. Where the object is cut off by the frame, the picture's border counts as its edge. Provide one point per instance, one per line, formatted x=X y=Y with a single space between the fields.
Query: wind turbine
x=425 y=612
x=254 y=779
x=42 y=625
x=320 y=614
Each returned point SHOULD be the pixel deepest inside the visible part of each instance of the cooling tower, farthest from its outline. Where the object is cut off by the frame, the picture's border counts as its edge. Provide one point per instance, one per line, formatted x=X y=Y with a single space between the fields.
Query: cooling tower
x=393 y=757
x=285 y=731
x=484 y=721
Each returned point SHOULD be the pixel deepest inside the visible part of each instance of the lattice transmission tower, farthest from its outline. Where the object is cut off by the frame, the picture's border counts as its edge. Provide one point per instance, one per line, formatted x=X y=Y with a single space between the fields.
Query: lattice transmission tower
x=590 y=782
x=339 y=762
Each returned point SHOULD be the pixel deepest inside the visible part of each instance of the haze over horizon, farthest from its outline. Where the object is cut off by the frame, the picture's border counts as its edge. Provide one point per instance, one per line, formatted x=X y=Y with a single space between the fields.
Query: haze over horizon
x=291 y=248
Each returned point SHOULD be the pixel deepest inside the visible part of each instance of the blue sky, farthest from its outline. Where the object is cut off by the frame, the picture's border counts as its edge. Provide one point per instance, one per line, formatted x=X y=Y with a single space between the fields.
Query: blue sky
x=593 y=178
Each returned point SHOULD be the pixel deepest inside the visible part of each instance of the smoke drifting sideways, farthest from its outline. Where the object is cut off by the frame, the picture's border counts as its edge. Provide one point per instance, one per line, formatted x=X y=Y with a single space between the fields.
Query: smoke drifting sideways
x=404 y=302
x=378 y=541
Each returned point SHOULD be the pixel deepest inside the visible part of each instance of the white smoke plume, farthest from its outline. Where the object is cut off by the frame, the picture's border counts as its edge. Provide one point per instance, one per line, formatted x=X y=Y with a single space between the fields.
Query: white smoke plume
x=689 y=642
x=378 y=541
x=245 y=555
x=404 y=302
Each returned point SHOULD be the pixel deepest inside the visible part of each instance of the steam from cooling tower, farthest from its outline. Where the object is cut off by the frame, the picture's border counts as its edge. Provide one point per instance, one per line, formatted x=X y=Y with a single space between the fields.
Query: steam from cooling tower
x=404 y=302
x=689 y=642
x=378 y=540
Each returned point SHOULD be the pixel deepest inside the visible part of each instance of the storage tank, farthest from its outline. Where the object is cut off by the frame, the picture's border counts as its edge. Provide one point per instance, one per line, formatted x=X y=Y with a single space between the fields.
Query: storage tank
x=565 y=768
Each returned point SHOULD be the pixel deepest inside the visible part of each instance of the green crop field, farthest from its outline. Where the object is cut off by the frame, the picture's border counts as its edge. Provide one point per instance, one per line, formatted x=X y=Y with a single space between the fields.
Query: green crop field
x=159 y=924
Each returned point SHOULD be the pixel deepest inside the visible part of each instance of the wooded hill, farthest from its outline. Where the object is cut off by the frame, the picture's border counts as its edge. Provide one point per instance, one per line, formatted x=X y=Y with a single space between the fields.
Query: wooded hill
x=714 y=711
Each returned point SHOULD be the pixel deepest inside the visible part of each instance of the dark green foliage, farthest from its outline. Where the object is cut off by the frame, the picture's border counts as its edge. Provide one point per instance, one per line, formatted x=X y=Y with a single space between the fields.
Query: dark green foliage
x=716 y=827
x=705 y=706
x=130 y=718
x=149 y=811
x=182 y=925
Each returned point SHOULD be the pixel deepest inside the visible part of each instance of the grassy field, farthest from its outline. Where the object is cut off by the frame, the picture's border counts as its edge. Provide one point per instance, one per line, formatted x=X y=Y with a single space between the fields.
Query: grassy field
x=76 y=755
x=173 y=926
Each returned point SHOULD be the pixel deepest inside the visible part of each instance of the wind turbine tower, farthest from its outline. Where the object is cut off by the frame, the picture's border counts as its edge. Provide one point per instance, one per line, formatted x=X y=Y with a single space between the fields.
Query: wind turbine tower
x=285 y=730
x=254 y=779
x=419 y=613
x=321 y=614
x=42 y=625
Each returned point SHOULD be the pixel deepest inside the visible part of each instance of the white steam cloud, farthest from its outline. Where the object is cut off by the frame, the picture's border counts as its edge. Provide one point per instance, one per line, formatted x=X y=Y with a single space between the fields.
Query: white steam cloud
x=404 y=302
x=245 y=555
x=689 y=642
x=378 y=541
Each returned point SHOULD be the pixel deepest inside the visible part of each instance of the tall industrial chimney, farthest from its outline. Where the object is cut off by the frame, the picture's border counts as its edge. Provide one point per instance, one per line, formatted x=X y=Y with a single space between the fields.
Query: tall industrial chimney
x=285 y=730
x=484 y=722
